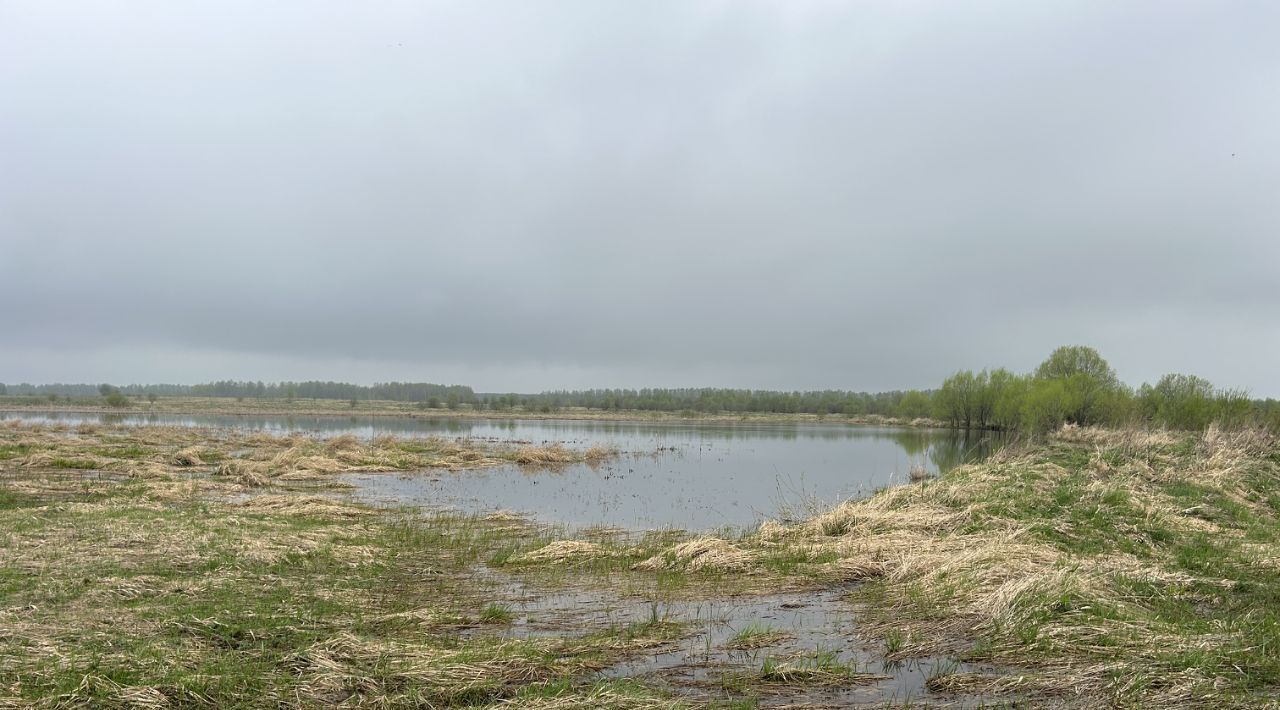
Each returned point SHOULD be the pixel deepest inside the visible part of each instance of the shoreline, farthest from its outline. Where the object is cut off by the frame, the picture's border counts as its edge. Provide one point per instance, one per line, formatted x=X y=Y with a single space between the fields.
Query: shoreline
x=319 y=408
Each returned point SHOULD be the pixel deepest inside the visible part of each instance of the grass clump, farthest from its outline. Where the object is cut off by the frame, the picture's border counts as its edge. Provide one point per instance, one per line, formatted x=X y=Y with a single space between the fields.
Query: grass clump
x=822 y=668
x=755 y=635
x=494 y=613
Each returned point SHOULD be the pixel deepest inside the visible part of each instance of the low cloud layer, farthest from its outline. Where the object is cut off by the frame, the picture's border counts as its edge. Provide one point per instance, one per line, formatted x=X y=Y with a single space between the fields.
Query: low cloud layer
x=522 y=196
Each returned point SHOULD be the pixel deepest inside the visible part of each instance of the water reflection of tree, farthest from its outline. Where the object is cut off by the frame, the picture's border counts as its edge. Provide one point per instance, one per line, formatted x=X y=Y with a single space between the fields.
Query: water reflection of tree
x=955 y=448
x=915 y=442
x=947 y=449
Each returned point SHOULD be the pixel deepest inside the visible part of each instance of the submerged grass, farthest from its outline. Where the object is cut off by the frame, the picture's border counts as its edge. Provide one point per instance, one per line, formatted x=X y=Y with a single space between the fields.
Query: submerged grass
x=227 y=460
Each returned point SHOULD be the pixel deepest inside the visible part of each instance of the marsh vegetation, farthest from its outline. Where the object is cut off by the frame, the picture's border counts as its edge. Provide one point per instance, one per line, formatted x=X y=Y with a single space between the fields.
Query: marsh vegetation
x=1099 y=566
x=695 y=475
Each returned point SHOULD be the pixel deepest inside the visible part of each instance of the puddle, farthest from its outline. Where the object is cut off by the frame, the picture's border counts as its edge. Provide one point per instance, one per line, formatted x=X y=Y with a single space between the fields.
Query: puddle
x=705 y=663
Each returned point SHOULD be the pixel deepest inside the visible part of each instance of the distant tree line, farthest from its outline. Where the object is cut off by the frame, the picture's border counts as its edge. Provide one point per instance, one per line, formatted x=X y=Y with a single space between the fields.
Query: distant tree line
x=1074 y=385
x=83 y=390
x=707 y=401
x=396 y=391
x=314 y=389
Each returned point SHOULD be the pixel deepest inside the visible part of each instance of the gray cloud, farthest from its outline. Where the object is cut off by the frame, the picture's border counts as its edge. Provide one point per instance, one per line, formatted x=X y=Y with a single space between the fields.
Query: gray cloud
x=536 y=195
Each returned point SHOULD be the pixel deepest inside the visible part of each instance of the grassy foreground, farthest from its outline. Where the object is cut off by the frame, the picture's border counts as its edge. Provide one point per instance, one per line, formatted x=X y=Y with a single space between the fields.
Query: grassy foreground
x=146 y=568
x=1128 y=568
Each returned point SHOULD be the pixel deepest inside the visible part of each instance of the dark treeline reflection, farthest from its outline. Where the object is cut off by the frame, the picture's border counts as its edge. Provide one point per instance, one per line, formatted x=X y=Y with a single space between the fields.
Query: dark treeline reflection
x=947 y=449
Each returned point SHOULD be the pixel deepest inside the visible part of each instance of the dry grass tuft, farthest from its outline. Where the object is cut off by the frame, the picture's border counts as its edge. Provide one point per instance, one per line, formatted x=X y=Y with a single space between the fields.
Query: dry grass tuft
x=187 y=457
x=601 y=697
x=311 y=506
x=919 y=473
x=700 y=555
x=243 y=473
x=977 y=684
x=771 y=531
x=535 y=455
x=1129 y=439
x=562 y=551
x=344 y=442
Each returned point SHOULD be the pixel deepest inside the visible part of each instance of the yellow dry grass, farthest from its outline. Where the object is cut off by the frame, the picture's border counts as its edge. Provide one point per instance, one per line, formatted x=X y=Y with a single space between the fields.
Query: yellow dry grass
x=562 y=551
x=256 y=460
x=554 y=454
x=312 y=506
x=701 y=554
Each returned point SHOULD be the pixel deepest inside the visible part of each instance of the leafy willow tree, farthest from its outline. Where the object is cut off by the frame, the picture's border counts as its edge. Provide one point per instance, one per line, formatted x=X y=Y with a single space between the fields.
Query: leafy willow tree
x=1077 y=384
x=959 y=400
x=1008 y=396
x=1189 y=402
x=915 y=404
x=986 y=400
x=1178 y=401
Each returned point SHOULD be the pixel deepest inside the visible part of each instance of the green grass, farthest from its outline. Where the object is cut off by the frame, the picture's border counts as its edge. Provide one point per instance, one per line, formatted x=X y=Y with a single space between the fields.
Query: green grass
x=496 y=614
x=13 y=451
x=755 y=635
x=72 y=463
x=1209 y=611
x=210 y=606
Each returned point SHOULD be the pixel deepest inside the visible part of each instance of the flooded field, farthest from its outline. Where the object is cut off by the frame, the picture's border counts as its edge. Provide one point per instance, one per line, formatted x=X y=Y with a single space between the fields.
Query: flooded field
x=729 y=640
x=690 y=475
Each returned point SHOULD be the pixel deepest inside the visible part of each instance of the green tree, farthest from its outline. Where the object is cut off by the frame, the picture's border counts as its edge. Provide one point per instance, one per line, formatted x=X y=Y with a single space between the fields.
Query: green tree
x=117 y=399
x=1179 y=402
x=960 y=399
x=1071 y=360
x=1088 y=383
x=1008 y=396
x=1048 y=404
x=1233 y=408
x=915 y=404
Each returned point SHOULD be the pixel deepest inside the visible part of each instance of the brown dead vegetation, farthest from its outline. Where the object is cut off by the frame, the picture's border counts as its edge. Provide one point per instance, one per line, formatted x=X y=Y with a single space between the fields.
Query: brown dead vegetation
x=254 y=460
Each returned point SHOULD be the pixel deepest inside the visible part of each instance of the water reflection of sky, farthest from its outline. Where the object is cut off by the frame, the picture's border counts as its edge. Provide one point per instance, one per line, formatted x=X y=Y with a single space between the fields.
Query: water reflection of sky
x=681 y=474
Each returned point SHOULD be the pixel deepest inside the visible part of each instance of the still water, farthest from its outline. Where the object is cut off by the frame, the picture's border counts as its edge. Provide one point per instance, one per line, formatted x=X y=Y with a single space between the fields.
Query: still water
x=691 y=475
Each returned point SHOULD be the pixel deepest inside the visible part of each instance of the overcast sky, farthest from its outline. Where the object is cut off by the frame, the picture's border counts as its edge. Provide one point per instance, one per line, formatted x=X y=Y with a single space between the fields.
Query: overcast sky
x=535 y=195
